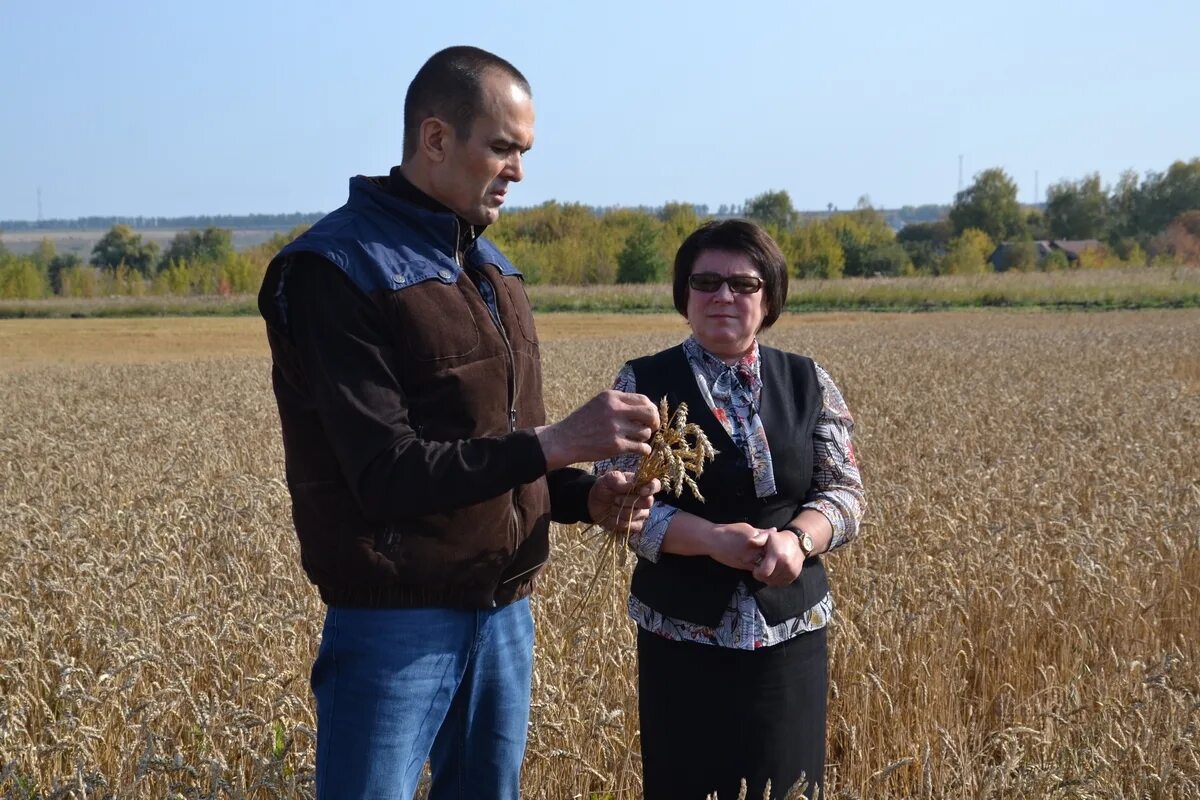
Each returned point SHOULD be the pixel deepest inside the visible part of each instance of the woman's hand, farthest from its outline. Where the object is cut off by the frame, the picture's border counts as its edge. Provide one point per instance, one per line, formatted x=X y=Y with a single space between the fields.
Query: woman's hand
x=737 y=544
x=782 y=559
x=615 y=504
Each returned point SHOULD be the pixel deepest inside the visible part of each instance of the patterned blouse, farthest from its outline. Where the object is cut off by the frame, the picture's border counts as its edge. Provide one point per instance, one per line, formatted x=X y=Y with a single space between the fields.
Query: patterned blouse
x=732 y=393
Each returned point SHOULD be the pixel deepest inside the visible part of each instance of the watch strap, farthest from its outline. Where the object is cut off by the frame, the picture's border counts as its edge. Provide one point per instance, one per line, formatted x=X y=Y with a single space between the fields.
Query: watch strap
x=803 y=535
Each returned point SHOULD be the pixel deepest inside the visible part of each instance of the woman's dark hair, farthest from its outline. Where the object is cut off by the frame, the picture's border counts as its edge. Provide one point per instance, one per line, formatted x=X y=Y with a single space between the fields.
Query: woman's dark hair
x=741 y=237
x=449 y=86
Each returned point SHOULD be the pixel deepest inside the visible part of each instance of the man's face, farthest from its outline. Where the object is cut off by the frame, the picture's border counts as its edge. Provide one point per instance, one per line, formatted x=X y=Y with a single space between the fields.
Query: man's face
x=474 y=178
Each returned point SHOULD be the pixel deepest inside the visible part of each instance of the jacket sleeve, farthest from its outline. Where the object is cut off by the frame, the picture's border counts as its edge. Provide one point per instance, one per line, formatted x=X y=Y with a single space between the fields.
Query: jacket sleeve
x=569 y=489
x=347 y=360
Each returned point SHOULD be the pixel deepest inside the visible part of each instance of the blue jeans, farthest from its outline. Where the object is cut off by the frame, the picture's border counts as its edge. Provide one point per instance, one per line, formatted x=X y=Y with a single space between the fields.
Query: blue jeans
x=395 y=687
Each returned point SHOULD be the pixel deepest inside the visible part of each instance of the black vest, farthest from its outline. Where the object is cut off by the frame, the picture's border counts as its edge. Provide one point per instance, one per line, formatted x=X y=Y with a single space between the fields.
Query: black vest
x=697 y=588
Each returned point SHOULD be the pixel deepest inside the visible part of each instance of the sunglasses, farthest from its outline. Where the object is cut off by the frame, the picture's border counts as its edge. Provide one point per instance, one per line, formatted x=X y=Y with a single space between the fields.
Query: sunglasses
x=711 y=282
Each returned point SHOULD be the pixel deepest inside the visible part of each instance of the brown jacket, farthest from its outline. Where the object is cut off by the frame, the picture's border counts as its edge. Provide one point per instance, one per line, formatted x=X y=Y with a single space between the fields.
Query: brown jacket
x=408 y=379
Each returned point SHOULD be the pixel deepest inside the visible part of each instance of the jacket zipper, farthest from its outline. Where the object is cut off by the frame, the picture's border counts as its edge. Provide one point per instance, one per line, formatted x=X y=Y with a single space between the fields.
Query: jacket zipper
x=494 y=313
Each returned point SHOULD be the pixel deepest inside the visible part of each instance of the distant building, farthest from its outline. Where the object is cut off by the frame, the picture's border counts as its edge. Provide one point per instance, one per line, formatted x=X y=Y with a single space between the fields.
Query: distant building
x=1003 y=257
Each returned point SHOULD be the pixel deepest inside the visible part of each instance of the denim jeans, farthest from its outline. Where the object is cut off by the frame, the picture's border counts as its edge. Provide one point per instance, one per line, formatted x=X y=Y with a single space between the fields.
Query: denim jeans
x=395 y=687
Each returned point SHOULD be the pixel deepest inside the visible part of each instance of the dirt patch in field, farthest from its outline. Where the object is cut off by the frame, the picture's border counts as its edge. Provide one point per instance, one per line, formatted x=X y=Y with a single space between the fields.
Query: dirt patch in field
x=72 y=342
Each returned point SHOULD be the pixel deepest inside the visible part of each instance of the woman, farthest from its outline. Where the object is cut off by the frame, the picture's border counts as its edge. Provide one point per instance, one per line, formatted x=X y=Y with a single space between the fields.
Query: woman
x=729 y=595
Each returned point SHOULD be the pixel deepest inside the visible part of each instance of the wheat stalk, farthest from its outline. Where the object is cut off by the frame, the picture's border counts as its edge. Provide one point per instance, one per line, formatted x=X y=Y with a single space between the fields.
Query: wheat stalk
x=676 y=449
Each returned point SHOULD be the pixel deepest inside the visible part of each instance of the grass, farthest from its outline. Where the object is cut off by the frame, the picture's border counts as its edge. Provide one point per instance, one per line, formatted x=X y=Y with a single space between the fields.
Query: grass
x=1017 y=619
x=145 y=306
x=1126 y=288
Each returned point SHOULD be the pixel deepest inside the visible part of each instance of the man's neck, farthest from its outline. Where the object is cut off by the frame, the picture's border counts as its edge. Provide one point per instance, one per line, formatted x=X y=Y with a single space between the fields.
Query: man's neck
x=400 y=184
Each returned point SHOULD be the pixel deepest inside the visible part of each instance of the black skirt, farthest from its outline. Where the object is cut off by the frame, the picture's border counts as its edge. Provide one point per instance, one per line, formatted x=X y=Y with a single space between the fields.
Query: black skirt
x=711 y=716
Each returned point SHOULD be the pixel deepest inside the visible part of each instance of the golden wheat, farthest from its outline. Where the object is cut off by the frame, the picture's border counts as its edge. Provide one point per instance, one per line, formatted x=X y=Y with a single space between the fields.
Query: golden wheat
x=678 y=451
x=1019 y=617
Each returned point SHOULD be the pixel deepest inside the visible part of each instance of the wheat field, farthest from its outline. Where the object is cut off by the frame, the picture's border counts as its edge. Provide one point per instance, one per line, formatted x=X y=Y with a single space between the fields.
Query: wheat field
x=1019 y=618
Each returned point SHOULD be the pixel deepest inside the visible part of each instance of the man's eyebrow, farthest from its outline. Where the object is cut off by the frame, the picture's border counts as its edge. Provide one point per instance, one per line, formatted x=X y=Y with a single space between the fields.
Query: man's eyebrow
x=510 y=143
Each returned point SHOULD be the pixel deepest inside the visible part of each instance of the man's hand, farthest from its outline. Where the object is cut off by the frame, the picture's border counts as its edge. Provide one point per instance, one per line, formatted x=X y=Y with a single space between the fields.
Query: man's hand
x=782 y=559
x=610 y=424
x=615 y=505
x=738 y=544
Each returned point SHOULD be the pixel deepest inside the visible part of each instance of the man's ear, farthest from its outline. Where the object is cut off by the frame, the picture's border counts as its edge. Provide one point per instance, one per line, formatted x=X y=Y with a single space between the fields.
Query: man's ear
x=435 y=139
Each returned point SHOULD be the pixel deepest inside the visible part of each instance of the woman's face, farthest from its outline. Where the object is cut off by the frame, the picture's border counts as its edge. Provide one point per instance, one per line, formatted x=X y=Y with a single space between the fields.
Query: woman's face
x=723 y=321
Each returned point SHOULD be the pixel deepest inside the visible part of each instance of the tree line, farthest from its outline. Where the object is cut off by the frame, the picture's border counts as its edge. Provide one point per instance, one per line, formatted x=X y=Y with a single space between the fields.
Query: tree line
x=1140 y=220
x=259 y=222
x=196 y=262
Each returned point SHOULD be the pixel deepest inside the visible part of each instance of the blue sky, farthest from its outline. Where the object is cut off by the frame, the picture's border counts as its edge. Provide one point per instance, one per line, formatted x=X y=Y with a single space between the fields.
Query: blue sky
x=166 y=108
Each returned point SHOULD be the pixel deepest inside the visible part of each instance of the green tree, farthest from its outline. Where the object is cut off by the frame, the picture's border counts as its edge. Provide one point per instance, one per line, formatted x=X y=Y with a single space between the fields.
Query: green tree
x=176 y=279
x=989 y=205
x=564 y=243
x=1125 y=210
x=58 y=265
x=1036 y=226
x=122 y=246
x=772 y=209
x=42 y=257
x=939 y=232
x=240 y=275
x=79 y=281
x=1056 y=261
x=641 y=260
x=1127 y=250
x=20 y=279
x=816 y=252
x=1077 y=209
x=44 y=253
x=888 y=259
x=1022 y=256
x=926 y=243
x=968 y=254
x=1168 y=194
x=679 y=220
x=212 y=246
x=860 y=233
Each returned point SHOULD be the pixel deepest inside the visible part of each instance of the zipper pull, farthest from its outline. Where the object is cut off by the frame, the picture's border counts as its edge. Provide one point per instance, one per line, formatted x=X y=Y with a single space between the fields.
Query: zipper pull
x=512 y=418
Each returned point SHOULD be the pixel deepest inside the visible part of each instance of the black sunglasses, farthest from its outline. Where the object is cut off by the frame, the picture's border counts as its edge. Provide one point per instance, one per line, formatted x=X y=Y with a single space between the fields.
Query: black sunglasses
x=711 y=282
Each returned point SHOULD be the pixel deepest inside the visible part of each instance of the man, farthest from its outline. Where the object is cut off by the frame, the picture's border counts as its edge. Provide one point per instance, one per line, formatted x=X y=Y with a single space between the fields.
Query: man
x=422 y=473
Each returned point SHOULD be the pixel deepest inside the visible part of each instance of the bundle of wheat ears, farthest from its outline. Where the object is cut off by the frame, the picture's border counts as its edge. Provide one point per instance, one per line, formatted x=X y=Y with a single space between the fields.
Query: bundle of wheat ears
x=676 y=449
x=678 y=452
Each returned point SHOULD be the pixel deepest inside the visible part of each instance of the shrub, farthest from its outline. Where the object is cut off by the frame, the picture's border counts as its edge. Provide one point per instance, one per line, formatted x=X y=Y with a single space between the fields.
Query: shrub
x=20 y=279
x=1056 y=261
x=640 y=261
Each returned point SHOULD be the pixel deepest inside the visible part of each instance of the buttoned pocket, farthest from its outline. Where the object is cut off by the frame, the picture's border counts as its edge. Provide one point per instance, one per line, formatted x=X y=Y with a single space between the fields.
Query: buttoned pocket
x=435 y=321
x=518 y=301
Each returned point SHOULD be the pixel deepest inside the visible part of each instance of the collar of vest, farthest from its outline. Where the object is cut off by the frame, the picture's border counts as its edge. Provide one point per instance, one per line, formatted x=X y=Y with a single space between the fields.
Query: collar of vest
x=383 y=242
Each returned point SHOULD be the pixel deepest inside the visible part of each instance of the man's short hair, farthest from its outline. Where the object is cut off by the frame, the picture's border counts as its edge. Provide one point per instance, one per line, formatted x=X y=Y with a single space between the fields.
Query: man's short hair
x=449 y=86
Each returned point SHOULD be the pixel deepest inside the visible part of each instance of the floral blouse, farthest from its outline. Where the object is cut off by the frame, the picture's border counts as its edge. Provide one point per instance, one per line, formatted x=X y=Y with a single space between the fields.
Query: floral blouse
x=732 y=392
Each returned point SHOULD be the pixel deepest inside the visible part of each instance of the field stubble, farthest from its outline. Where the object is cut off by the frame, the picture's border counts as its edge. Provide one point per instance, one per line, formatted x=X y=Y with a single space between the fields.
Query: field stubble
x=1018 y=618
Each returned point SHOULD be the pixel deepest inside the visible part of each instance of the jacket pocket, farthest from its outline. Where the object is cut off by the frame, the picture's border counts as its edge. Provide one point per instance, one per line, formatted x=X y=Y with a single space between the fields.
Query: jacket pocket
x=434 y=322
x=518 y=302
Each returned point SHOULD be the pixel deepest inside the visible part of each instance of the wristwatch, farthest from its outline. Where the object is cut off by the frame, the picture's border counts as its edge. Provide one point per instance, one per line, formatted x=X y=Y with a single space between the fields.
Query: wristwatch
x=806 y=541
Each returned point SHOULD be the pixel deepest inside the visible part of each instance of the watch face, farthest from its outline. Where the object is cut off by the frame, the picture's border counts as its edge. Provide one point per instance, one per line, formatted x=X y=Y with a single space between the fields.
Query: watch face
x=806 y=542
